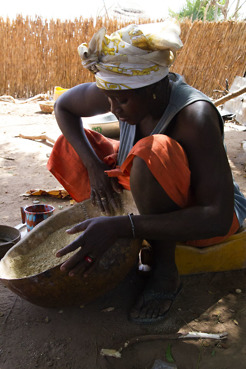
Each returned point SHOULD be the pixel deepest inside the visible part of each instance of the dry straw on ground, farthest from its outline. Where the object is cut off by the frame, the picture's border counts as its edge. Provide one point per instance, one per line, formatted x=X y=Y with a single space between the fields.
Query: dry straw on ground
x=37 y=55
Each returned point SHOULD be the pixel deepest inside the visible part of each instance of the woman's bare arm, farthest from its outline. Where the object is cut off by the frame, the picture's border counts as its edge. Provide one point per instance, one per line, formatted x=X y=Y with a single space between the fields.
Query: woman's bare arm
x=81 y=101
x=84 y=101
x=199 y=133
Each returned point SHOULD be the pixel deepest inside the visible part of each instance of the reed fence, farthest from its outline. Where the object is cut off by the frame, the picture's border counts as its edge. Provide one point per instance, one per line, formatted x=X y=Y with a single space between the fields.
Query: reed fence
x=37 y=55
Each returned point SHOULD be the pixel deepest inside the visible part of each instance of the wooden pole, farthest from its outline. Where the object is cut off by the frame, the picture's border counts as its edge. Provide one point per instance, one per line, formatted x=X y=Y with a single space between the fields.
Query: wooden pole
x=230 y=96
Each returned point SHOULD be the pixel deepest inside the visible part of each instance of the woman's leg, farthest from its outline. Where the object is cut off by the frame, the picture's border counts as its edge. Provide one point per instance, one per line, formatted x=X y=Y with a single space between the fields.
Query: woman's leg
x=164 y=282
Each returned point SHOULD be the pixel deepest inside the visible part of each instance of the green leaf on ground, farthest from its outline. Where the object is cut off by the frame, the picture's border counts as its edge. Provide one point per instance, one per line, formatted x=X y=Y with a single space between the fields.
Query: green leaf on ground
x=169 y=356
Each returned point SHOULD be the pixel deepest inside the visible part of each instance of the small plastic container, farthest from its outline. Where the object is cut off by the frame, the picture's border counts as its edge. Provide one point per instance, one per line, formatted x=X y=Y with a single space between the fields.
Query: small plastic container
x=58 y=91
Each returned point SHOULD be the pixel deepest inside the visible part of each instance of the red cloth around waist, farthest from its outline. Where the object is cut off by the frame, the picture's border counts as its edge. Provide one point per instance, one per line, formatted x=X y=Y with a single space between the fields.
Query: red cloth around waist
x=65 y=164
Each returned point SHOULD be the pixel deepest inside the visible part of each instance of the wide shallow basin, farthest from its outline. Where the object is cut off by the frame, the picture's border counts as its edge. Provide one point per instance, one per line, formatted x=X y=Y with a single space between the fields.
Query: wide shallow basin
x=33 y=279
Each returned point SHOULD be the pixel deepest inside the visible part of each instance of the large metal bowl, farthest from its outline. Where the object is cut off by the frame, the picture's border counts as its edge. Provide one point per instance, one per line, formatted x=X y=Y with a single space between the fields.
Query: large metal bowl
x=52 y=288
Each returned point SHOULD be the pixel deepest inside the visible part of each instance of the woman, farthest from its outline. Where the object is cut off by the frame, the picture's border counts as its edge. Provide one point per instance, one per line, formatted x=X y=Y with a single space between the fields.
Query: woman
x=171 y=156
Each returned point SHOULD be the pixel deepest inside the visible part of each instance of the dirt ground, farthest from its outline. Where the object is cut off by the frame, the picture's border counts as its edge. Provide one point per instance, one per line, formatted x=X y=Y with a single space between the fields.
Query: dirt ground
x=35 y=337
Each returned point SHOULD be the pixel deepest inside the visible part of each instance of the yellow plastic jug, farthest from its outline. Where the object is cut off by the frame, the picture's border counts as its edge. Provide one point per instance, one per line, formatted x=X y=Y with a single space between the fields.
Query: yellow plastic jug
x=59 y=91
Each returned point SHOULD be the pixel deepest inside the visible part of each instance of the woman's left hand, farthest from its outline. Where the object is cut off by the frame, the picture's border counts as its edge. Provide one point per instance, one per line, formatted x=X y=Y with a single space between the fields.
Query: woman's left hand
x=98 y=236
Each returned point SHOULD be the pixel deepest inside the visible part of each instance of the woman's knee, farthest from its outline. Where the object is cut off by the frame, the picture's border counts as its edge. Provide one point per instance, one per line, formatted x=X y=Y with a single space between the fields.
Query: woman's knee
x=148 y=194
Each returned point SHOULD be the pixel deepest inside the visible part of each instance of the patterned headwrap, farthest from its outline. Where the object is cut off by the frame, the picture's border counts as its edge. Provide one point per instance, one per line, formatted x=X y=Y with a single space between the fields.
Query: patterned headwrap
x=133 y=57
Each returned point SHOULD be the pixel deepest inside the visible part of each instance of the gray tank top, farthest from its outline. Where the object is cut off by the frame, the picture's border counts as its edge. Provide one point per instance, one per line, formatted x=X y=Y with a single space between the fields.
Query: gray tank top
x=181 y=96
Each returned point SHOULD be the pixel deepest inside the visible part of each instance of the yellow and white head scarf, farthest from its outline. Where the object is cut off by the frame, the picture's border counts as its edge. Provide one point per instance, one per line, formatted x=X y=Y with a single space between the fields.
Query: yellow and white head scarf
x=133 y=57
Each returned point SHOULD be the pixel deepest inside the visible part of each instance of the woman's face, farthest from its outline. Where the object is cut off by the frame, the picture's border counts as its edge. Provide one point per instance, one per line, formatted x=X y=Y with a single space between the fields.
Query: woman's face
x=129 y=105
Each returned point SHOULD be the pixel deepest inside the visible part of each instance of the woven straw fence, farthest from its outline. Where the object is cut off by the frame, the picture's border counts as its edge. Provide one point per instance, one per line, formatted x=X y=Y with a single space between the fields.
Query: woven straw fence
x=212 y=53
x=37 y=55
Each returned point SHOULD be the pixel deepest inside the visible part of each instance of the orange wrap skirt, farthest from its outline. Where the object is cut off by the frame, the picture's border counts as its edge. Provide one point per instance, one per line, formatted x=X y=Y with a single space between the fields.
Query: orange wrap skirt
x=164 y=157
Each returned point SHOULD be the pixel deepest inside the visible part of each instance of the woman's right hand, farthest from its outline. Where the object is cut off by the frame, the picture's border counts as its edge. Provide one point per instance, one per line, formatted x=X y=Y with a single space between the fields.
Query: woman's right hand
x=104 y=190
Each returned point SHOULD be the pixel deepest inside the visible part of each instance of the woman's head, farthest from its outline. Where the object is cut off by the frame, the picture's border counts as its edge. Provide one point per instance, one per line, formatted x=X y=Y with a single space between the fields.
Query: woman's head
x=133 y=57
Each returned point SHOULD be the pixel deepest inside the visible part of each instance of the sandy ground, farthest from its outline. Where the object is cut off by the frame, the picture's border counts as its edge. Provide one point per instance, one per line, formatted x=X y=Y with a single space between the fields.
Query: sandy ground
x=35 y=337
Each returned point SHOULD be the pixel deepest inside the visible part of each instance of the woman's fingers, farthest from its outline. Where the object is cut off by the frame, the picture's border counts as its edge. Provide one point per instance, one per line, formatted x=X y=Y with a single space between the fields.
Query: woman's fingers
x=84 y=267
x=93 y=198
x=116 y=202
x=69 y=248
x=90 y=269
x=99 y=235
x=101 y=201
x=108 y=202
x=116 y=186
x=78 y=264
x=106 y=198
x=78 y=227
x=74 y=264
x=76 y=243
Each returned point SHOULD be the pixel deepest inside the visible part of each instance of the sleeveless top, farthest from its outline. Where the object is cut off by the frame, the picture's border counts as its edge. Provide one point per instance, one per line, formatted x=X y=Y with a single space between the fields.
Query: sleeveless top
x=181 y=95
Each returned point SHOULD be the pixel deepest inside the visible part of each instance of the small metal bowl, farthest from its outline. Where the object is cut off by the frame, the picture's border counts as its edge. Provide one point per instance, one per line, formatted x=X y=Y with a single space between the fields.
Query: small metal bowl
x=106 y=124
x=9 y=236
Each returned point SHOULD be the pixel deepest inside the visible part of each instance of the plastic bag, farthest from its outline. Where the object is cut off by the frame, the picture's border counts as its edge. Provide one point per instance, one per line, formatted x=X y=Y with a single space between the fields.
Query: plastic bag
x=159 y=364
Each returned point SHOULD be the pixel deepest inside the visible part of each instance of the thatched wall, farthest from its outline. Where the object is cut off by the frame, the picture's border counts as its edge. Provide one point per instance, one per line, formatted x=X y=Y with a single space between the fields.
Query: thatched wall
x=212 y=53
x=36 y=55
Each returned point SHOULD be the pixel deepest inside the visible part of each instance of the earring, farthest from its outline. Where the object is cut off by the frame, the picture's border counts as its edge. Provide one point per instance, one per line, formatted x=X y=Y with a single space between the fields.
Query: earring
x=154 y=96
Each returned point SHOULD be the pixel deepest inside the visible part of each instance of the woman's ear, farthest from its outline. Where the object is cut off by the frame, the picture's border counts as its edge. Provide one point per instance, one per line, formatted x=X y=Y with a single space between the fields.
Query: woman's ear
x=151 y=92
x=160 y=88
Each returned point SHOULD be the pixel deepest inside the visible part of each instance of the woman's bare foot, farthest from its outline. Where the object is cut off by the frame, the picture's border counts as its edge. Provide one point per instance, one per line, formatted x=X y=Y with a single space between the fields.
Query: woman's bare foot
x=157 y=297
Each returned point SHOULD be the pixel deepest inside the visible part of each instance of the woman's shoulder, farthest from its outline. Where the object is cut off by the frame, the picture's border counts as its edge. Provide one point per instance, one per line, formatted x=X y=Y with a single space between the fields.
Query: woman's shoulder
x=184 y=93
x=84 y=100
